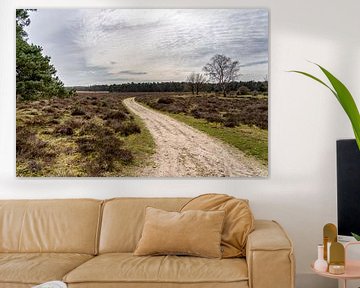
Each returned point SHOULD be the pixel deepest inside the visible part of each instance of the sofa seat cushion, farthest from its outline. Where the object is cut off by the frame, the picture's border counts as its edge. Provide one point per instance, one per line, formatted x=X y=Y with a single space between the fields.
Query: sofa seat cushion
x=36 y=268
x=15 y=285
x=242 y=284
x=127 y=268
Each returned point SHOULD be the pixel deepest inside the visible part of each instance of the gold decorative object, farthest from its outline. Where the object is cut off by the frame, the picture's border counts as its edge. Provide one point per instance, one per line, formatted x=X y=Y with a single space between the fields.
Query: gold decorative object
x=336 y=269
x=337 y=258
x=337 y=253
x=330 y=236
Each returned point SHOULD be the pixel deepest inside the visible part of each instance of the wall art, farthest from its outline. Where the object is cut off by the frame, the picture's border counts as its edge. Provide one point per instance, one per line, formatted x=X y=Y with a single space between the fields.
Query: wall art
x=142 y=92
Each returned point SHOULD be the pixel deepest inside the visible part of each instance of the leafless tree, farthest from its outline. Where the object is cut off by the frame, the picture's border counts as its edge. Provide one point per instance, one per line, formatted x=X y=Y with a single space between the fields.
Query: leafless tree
x=196 y=81
x=191 y=82
x=223 y=70
x=200 y=80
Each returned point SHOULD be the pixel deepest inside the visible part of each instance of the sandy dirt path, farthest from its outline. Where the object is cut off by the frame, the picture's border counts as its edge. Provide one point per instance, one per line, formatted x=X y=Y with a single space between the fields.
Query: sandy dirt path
x=184 y=151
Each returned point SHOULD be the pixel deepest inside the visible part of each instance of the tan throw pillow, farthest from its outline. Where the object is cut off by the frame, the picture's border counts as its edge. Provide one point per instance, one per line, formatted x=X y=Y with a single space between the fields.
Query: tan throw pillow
x=239 y=220
x=196 y=233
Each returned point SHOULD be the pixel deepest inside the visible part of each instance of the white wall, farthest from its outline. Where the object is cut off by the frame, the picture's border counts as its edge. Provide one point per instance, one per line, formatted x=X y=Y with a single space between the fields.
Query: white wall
x=305 y=120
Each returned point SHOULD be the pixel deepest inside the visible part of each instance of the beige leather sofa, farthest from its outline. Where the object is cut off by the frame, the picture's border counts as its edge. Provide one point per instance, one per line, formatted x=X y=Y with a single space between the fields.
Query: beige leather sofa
x=89 y=243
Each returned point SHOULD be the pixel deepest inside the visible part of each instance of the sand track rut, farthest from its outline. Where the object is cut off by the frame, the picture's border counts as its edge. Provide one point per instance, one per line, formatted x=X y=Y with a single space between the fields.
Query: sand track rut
x=184 y=151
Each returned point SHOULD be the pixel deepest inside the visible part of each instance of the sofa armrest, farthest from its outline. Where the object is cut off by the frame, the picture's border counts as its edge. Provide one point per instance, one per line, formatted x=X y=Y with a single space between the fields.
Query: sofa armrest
x=269 y=255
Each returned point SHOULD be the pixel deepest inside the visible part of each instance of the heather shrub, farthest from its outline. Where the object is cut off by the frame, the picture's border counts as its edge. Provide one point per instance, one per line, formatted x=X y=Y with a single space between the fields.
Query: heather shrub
x=212 y=117
x=53 y=121
x=78 y=111
x=35 y=166
x=28 y=144
x=32 y=151
x=129 y=128
x=49 y=109
x=86 y=145
x=197 y=113
x=119 y=115
x=124 y=128
x=165 y=100
x=101 y=146
x=64 y=130
x=230 y=123
x=175 y=109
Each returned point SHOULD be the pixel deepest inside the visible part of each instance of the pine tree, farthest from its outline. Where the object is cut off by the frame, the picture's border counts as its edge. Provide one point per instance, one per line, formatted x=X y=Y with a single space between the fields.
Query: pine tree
x=35 y=76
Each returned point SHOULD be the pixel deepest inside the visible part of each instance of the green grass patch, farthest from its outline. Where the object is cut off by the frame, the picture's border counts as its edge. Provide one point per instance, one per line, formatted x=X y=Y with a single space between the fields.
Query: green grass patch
x=141 y=145
x=249 y=139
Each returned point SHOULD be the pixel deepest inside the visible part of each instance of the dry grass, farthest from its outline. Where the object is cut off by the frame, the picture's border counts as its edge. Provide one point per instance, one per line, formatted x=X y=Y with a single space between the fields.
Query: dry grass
x=86 y=135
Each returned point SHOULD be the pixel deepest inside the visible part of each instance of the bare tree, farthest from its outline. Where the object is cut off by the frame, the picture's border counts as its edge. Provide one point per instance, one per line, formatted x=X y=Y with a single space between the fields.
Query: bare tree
x=222 y=70
x=196 y=81
x=200 y=79
x=191 y=81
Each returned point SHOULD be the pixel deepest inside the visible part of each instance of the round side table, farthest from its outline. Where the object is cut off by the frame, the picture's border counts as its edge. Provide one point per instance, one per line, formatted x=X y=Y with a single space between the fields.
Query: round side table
x=352 y=269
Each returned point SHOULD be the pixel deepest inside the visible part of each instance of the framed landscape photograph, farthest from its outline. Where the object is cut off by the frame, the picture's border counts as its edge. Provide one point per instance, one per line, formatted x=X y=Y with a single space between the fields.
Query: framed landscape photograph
x=142 y=92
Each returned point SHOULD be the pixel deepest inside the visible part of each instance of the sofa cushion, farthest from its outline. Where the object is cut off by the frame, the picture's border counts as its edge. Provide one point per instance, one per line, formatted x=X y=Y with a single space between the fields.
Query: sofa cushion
x=193 y=232
x=63 y=226
x=36 y=268
x=123 y=220
x=126 y=268
x=239 y=220
x=15 y=285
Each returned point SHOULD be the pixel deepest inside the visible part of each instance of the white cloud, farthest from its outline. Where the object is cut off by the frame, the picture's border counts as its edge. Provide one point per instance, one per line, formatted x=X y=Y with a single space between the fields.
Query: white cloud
x=97 y=46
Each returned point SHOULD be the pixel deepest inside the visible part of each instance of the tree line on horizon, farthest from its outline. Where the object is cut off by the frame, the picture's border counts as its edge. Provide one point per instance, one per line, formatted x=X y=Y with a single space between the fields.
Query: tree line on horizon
x=238 y=87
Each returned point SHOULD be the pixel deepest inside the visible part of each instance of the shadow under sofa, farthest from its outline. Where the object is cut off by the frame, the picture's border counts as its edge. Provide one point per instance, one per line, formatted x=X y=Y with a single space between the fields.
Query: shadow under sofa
x=90 y=243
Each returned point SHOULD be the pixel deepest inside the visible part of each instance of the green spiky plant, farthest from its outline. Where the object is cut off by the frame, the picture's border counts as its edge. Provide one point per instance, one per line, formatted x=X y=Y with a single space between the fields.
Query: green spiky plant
x=344 y=97
x=356 y=236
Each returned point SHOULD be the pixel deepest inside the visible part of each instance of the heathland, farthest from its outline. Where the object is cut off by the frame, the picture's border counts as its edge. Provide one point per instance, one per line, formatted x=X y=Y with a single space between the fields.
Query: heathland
x=95 y=134
x=84 y=135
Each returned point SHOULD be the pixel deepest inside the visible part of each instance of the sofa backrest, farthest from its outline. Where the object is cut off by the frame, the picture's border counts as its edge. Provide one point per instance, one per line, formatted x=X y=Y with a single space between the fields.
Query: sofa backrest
x=67 y=226
x=123 y=220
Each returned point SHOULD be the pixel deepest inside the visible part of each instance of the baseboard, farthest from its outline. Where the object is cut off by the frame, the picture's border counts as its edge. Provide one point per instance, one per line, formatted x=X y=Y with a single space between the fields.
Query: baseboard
x=310 y=280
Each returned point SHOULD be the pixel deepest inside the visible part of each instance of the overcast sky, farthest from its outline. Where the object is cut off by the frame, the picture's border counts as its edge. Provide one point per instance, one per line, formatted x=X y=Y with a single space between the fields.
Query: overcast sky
x=93 y=46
